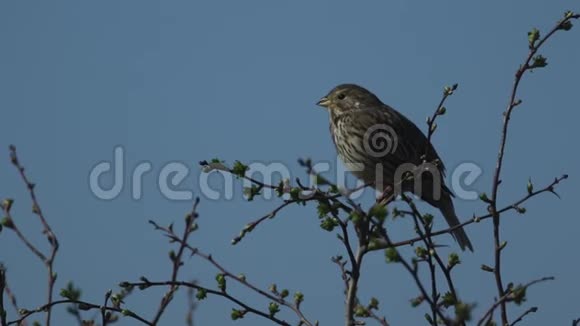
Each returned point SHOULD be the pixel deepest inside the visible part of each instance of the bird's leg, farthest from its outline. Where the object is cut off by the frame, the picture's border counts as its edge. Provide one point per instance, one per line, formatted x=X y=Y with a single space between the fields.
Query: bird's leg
x=386 y=196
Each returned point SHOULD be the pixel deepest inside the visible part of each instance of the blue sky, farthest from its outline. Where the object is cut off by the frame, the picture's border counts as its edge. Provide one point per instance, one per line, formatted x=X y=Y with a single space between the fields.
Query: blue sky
x=178 y=81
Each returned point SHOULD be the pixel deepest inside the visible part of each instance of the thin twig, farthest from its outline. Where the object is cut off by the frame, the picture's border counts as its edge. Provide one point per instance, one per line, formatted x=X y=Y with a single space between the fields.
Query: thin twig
x=476 y=219
x=86 y=305
x=346 y=240
x=47 y=230
x=244 y=282
x=173 y=284
x=509 y=297
x=351 y=293
x=23 y=238
x=11 y=296
x=104 y=317
x=426 y=238
x=381 y=320
x=521 y=317
x=196 y=252
x=2 y=287
x=497 y=174
x=177 y=261
x=431 y=126
x=343 y=272
x=190 y=306
x=415 y=274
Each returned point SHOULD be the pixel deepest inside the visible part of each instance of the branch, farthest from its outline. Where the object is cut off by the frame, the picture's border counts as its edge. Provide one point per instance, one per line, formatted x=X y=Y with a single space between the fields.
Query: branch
x=352 y=288
x=521 y=317
x=243 y=281
x=195 y=252
x=104 y=316
x=383 y=244
x=512 y=295
x=440 y=110
x=85 y=305
x=175 y=284
x=338 y=260
x=414 y=273
x=47 y=230
x=381 y=320
x=176 y=260
x=2 y=287
x=538 y=63
x=426 y=238
x=351 y=283
x=191 y=305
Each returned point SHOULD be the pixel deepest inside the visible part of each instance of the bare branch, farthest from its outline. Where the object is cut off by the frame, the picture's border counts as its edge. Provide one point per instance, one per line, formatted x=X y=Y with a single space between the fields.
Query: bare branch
x=47 y=230
x=86 y=305
x=513 y=102
x=175 y=284
x=509 y=296
x=521 y=317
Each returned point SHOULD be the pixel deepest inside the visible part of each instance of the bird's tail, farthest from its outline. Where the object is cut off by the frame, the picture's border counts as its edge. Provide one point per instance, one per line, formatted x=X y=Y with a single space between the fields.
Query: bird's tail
x=445 y=204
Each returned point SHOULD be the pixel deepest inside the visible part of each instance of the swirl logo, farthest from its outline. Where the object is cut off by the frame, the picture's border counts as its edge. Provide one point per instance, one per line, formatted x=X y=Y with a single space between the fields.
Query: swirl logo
x=380 y=140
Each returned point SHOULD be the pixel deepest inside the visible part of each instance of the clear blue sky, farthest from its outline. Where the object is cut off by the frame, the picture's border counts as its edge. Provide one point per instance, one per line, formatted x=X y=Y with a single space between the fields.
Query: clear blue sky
x=182 y=81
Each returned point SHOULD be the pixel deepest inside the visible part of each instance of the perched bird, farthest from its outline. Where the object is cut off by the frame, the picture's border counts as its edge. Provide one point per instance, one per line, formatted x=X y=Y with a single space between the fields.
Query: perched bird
x=382 y=147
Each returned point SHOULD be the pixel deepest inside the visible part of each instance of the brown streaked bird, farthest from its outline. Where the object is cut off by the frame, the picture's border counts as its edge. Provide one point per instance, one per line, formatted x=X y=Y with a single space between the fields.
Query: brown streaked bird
x=378 y=144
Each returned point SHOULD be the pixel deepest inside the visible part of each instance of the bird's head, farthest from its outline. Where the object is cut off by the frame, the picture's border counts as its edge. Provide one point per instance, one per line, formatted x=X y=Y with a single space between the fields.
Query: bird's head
x=348 y=97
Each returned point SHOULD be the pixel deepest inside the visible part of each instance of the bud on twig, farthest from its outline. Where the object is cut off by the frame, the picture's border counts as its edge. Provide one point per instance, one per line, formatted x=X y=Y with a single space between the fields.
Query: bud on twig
x=533 y=36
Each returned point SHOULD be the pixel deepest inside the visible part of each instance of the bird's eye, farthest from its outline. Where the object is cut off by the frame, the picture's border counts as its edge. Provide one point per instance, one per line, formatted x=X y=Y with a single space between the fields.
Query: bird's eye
x=341 y=96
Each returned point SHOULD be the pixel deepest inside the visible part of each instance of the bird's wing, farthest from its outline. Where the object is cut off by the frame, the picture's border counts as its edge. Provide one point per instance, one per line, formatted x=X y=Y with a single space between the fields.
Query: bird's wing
x=411 y=143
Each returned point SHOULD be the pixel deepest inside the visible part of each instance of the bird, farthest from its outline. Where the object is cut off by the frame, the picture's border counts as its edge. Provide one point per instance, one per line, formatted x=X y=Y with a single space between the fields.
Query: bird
x=381 y=146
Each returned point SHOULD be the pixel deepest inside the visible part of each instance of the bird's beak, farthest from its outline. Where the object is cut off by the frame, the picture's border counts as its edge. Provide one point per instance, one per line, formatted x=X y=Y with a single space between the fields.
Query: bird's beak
x=324 y=102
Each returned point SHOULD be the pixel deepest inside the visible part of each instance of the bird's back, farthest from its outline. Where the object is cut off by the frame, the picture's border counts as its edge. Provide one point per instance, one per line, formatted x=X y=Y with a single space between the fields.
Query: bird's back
x=382 y=136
